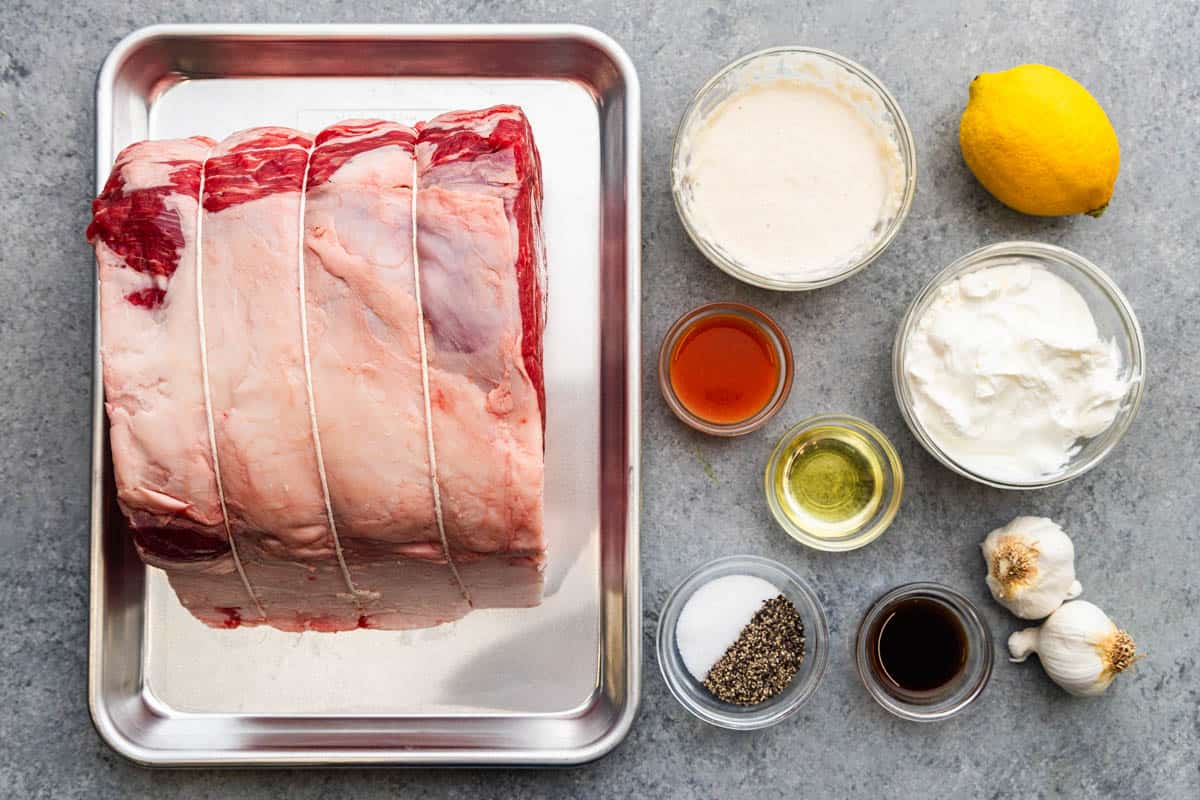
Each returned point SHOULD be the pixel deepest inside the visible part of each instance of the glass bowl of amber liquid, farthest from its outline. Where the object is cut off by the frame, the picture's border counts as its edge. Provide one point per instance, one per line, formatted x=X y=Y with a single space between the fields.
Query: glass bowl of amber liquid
x=725 y=369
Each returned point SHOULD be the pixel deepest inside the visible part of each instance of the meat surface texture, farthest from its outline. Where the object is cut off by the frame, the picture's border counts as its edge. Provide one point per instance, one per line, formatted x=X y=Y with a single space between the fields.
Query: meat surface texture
x=323 y=368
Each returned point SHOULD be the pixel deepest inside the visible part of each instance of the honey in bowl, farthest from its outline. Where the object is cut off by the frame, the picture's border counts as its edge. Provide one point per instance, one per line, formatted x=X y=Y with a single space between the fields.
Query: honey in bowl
x=724 y=369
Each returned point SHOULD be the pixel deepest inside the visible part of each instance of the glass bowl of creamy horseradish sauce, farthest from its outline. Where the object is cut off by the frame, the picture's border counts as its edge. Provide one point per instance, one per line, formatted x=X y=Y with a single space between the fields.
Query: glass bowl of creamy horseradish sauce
x=1020 y=365
x=793 y=168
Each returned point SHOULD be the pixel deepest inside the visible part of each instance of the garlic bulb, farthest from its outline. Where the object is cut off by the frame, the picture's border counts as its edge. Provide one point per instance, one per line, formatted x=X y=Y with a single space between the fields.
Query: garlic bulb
x=1031 y=566
x=1079 y=647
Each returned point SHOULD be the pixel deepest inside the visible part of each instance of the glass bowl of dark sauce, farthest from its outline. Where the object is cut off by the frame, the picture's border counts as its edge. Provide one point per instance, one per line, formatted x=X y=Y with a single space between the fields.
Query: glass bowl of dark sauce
x=923 y=652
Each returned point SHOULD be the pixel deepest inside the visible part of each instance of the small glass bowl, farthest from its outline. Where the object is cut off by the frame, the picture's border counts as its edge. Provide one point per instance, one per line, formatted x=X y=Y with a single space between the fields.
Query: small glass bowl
x=691 y=693
x=1114 y=320
x=962 y=690
x=783 y=354
x=773 y=64
x=893 y=485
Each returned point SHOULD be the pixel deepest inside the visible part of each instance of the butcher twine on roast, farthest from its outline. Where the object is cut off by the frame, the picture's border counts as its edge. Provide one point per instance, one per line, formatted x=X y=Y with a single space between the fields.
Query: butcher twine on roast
x=325 y=389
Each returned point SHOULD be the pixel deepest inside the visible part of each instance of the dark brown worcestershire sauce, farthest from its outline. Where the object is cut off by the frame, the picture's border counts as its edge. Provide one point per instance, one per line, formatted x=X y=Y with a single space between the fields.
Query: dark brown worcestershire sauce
x=919 y=646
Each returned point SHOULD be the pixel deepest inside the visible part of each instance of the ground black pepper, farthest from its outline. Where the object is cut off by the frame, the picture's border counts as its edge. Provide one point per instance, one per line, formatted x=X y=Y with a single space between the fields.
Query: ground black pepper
x=764 y=659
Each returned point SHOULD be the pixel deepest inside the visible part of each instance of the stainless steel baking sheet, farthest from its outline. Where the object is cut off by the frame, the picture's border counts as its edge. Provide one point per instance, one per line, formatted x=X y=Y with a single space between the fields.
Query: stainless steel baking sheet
x=553 y=685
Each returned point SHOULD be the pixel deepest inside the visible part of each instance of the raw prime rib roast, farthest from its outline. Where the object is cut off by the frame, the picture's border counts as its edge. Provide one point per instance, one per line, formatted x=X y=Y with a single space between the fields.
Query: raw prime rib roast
x=323 y=368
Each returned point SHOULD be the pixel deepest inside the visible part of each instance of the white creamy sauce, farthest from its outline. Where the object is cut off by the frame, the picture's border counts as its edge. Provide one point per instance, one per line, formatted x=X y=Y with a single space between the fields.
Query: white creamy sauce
x=1008 y=372
x=714 y=616
x=794 y=179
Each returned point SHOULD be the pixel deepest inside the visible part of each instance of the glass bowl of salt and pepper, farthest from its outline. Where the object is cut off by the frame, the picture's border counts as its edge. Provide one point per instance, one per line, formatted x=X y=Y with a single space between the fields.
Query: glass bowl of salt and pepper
x=743 y=642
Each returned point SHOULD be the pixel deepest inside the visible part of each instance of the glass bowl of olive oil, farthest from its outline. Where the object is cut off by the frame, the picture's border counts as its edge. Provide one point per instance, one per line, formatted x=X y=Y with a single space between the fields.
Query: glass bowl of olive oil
x=834 y=482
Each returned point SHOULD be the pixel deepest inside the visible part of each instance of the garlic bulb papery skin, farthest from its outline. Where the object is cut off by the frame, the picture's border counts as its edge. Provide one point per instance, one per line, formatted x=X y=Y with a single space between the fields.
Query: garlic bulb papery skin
x=1031 y=566
x=1079 y=647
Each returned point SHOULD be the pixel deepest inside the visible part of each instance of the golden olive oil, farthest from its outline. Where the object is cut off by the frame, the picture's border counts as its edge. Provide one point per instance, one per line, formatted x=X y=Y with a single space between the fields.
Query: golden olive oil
x=829 y=481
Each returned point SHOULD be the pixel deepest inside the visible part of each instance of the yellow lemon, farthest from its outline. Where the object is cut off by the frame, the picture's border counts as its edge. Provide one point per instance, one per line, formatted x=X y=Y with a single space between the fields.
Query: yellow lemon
x=1038 y=141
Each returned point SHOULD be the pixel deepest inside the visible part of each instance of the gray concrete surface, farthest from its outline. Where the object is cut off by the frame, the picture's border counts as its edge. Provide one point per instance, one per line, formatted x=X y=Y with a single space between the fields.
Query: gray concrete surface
x=1134 y=518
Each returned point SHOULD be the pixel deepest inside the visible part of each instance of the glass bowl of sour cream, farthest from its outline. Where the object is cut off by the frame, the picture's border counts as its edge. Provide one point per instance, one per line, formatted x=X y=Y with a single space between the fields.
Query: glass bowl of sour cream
x=793 y=168
x=1020 y=365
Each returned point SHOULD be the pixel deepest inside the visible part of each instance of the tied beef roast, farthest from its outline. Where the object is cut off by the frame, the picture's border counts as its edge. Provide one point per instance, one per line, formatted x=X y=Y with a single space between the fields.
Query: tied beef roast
x=323 y=368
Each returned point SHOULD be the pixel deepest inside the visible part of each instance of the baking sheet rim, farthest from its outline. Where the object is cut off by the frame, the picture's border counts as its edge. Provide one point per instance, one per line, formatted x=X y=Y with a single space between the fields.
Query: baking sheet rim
x=100 y=713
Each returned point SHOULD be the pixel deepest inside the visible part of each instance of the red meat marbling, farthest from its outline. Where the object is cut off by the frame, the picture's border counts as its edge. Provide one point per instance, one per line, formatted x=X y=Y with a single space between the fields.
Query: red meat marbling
x=297 y=253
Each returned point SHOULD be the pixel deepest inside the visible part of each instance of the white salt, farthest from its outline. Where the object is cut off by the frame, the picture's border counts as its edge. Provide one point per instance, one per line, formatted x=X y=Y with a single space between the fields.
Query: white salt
x=714 y=616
